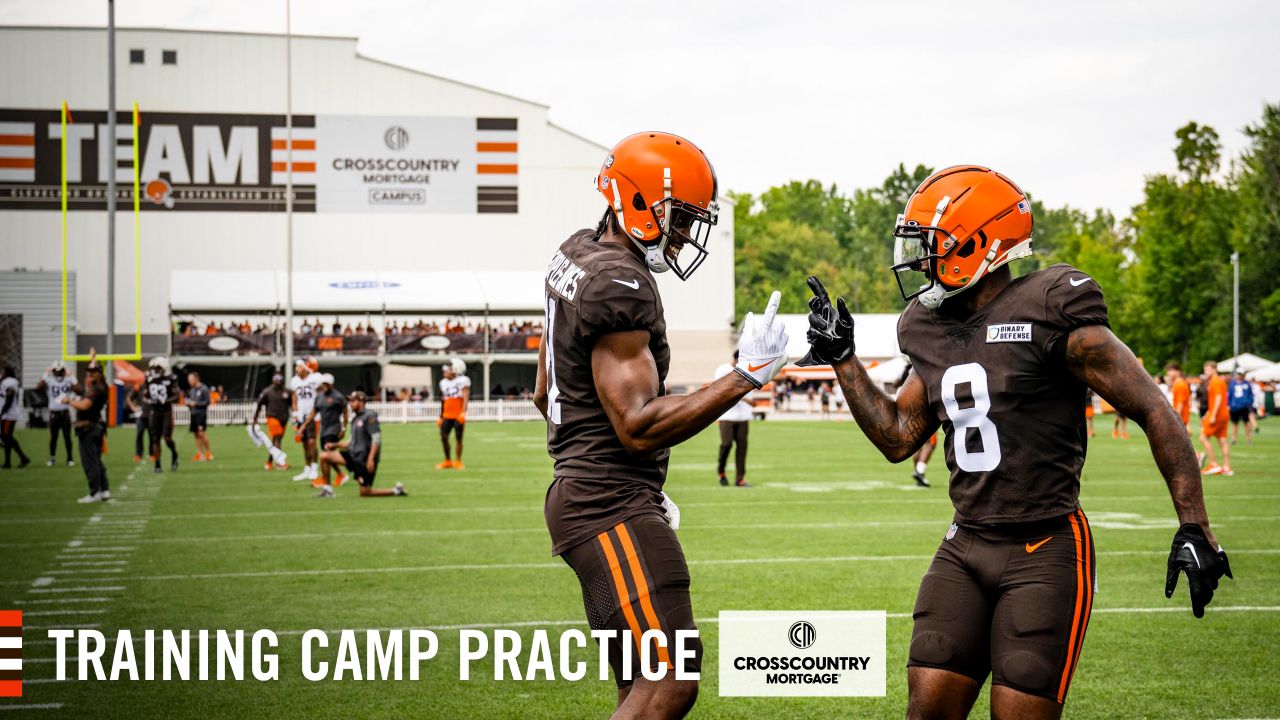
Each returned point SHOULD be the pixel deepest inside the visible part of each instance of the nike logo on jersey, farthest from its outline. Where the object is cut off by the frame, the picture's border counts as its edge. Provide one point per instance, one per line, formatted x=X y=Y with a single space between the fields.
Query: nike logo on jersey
x=1077 y=282
x=1032 y=548
x=634 y=284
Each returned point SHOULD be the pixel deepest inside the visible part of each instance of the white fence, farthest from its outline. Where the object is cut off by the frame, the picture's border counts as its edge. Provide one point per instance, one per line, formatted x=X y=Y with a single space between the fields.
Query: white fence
x=241 y=413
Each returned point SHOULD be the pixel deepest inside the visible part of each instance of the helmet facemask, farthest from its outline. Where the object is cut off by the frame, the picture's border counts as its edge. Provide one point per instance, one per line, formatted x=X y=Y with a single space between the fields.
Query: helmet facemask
x=682 y=226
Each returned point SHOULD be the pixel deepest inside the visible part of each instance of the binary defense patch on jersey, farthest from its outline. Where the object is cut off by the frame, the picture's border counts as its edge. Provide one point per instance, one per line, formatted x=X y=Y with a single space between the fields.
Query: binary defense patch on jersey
x=593 y=289
x=999 y=383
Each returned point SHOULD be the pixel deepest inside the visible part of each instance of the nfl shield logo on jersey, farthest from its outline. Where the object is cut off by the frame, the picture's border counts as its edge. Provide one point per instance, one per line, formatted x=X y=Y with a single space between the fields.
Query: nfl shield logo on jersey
x=951 y=531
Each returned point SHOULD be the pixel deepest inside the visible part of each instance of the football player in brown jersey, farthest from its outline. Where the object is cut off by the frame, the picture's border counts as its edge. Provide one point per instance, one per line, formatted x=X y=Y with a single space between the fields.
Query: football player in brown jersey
x=602 y=364
x=1002 y=365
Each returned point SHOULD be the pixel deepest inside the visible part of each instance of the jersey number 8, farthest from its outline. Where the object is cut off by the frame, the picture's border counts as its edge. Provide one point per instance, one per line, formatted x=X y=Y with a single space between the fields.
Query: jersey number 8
x=973 y=417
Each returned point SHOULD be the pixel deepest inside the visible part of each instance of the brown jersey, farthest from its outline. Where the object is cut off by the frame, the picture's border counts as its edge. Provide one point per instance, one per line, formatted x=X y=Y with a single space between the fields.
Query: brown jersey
x=592 y=289
x=999 y=383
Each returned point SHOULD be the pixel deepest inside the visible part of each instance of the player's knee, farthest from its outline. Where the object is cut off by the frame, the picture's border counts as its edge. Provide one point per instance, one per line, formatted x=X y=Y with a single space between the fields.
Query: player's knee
x=1027 y=672
x=932 y=648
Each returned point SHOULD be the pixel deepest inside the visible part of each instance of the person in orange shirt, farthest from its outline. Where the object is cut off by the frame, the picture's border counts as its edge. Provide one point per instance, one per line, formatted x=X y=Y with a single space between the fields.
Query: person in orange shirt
x=1180 y=392
x=1214 y=422
x=455 y=391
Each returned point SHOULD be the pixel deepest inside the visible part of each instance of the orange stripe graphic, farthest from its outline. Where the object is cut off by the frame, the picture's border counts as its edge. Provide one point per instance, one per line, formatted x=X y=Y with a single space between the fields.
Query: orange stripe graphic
x=31 y=140
x=1089 y=571
x=490 y=169
x=642 y=587
x=297 y=144
x=624 y=597
x=495 y=147
x=10 y=618
x=10 y=688
x=300 y=167
x=23 y=163
x=1075 y=621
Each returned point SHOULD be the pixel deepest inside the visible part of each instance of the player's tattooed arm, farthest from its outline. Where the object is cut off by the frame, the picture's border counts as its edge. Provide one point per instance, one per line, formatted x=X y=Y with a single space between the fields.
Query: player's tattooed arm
x=626 y=379
x=897 y=427
x=540 y=385
x=1104 y=363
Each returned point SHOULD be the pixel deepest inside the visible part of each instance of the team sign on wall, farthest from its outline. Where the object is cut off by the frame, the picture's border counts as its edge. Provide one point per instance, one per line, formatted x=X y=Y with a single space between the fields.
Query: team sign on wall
x=212 y=162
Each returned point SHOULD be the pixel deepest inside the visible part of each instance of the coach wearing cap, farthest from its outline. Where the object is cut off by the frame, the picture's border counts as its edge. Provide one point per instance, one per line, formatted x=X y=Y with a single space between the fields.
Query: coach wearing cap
x=91 y=431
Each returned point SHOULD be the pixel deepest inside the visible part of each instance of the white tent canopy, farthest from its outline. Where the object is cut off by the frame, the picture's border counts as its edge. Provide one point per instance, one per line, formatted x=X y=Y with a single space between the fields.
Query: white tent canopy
x=1270 y=373
x=1248 y=361
x=346 y=291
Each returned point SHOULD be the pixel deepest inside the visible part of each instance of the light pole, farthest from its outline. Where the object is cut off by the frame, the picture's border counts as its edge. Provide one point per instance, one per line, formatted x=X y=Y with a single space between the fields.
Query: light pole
x=110 y=170
x=288 y=185
x=1235 y=307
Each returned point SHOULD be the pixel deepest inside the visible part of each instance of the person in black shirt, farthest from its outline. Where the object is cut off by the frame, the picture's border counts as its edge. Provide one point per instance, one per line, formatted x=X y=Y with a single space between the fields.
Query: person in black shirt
x=142 y=421
x=361 y=454
x=91 y=431
x=278 y=403
x=198 y=400
x=330 y=409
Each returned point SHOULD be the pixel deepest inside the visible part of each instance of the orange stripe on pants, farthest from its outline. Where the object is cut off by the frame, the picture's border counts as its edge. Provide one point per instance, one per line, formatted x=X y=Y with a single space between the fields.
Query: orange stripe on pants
x=642 y=588
x=1088 y=588
x=624 y=597
x=1075 y=620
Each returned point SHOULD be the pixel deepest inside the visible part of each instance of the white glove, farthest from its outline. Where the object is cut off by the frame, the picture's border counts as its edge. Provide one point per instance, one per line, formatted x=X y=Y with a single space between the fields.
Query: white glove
x=672 y=512
x=762 y=349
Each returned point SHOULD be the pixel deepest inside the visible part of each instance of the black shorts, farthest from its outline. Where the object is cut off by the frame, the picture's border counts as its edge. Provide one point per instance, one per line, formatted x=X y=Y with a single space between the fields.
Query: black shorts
x=199 y=420
x=1012 y=602
x=359 y=470
x=311 y=430
x=329 y=437
x=1241 y=414
x=160 y=423
x=59 y=419
x=634 y=578
x=454 y=425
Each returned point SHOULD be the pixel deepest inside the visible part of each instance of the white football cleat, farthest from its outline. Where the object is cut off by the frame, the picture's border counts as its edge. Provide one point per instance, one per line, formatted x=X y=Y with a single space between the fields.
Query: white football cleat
x=400 y=491
x=304 y=475
x=91 y=497
x=104 y=496
x=326 y=491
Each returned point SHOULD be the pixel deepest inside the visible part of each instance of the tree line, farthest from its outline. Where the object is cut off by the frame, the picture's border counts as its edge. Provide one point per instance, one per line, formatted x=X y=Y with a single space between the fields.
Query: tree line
x=1165 y=269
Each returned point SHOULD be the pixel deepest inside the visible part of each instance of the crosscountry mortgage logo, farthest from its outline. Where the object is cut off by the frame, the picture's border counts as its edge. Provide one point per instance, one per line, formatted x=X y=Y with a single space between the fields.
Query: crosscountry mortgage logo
x=396 y=137
x=363 y=284
x=802 y=634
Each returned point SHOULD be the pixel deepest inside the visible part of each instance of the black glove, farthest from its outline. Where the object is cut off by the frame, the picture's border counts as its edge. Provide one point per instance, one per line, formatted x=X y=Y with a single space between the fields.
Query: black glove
x=830 y=329
x=1203 y=564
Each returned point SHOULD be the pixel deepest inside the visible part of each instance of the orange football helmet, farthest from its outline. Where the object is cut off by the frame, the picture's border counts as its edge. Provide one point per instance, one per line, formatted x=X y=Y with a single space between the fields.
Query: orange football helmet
x=662 y=190
x=960 y=224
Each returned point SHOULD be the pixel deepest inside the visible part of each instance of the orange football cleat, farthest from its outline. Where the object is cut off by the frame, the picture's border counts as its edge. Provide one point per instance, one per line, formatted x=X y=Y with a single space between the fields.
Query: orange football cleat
x=197 y=458
x=137 y=458
x=444 y=465
x=317 y=483
x=342 y=480
x=457 y=465
x=268 y=466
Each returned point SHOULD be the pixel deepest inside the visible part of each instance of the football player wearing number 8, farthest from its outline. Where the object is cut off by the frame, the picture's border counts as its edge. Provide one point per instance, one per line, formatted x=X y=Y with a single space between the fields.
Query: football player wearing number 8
x=610 y=424
x=1002 y=365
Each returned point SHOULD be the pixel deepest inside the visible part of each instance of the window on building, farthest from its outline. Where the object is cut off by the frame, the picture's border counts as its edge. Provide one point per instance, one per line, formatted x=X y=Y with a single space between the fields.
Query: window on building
x=169 y=57
x=137 y=56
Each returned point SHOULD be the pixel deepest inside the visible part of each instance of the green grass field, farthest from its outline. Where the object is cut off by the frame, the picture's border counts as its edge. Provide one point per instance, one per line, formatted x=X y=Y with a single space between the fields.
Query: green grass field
x=828 y=525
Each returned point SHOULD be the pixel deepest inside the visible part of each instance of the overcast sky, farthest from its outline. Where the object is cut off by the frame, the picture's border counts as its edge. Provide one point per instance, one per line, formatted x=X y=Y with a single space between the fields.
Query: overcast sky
x=1076 y=100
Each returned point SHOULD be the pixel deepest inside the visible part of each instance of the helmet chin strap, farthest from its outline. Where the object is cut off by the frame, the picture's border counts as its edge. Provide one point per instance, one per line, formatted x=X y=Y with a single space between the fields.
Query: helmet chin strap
x=933 y=297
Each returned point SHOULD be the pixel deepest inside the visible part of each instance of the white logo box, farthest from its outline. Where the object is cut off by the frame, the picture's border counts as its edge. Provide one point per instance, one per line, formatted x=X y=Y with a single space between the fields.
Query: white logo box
x=838 y=654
